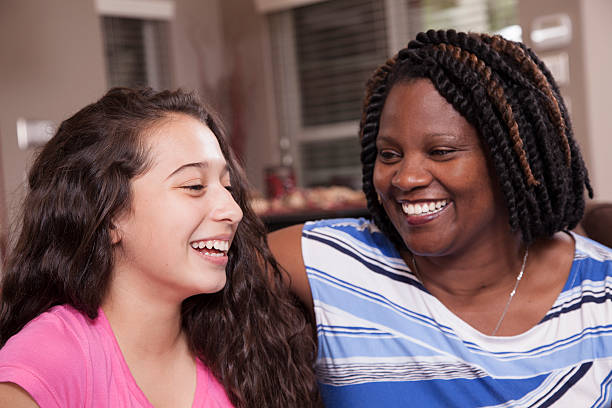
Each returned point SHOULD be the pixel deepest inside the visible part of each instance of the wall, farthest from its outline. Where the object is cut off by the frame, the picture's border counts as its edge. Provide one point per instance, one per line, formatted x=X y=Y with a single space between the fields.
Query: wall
x=590 y=83
x=252 y=117
x=51 y=65
x=597 y=28
x=197 y=48
x=221 y=48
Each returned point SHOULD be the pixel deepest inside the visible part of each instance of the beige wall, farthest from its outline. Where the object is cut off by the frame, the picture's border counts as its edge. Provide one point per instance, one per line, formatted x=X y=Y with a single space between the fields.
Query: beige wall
x=51 y=65
x=197 y=48
x=252 y=114
x=221 y=48
x=590 y=60
x=597 y=28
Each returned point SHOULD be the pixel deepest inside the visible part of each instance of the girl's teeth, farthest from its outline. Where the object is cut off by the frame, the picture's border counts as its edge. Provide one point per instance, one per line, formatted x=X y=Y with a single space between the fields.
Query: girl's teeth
x=424 y=208
x=213 y=254
x=222 y=246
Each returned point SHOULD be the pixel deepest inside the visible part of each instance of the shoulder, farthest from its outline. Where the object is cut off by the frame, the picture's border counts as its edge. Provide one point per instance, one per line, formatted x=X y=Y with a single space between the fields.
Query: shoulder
x=587 y=248
x=286 y=247
x=593 y=258
x=48 y=357
x=346 y=235
x=347 y=224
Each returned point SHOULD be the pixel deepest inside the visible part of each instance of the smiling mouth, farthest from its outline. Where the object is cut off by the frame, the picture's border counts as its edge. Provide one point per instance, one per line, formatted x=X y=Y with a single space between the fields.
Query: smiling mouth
x=211 y=247
x=424 y=208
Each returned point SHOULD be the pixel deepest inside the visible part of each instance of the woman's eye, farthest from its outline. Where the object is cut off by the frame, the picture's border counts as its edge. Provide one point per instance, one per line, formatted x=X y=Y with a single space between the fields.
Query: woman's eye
x=441 y=152
x=387 y=155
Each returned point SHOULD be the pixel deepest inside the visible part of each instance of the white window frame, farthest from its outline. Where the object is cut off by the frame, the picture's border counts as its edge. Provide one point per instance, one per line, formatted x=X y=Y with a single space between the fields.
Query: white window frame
x=141 y=9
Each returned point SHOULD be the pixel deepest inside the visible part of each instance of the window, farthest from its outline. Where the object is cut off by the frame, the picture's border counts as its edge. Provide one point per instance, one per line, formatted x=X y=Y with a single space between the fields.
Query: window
x=136 y=41
x=324 y=53
x=136 y=52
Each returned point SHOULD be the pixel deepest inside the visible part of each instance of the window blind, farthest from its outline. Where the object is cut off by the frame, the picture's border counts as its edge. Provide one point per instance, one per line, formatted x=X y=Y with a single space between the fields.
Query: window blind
x=339 y=43
x=136 y=52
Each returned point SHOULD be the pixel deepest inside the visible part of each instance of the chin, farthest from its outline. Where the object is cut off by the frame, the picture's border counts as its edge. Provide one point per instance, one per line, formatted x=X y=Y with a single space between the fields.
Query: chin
x=424 y=247
x=215 y=286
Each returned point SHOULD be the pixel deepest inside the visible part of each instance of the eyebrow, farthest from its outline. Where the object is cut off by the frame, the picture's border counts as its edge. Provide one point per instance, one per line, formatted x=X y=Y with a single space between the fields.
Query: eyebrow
x=197 y=165
x=385 y=137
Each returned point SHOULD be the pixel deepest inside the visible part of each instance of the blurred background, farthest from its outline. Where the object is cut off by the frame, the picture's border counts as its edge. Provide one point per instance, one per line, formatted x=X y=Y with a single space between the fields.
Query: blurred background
x=286 y=75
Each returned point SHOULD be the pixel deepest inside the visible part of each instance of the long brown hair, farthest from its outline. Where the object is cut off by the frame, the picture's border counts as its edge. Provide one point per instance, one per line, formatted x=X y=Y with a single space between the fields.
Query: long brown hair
x=251 y=334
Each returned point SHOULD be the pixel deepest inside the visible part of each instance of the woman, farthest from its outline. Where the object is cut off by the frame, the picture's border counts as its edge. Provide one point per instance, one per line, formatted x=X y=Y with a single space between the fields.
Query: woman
x=467 y=289
x=134 y=280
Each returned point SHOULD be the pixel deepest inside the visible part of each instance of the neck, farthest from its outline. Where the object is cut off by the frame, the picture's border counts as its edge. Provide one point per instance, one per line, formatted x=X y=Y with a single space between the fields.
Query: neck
x=144 y=329
x=469 y=272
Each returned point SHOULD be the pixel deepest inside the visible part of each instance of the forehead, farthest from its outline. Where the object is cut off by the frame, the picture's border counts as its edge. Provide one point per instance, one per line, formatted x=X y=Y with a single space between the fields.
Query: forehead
x=418 y=106
x=182 y=138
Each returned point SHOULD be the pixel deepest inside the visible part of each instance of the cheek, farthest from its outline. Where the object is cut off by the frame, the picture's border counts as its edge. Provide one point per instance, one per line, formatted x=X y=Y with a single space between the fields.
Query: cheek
x=380 y=179
x=480 y=189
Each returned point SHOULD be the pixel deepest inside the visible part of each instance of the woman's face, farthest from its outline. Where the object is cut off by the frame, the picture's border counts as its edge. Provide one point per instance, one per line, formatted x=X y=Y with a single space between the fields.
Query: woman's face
x=432 y=176
x=173 y=241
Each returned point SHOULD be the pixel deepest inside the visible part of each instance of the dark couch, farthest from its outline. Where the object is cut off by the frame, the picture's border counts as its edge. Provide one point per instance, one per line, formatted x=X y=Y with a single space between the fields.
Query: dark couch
x=597 y=222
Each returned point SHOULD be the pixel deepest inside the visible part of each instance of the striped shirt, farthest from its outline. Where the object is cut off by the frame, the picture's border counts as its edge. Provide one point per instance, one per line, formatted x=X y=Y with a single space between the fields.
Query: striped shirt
x=384 y=341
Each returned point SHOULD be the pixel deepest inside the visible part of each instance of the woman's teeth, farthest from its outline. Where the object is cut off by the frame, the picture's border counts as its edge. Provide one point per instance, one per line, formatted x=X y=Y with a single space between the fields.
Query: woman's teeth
x=424 y=208
x=221 y=246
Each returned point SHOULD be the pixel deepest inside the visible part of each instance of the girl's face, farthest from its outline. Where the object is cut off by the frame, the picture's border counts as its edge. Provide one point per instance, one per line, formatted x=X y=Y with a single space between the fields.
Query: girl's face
x=432 y=176
x=173 y=242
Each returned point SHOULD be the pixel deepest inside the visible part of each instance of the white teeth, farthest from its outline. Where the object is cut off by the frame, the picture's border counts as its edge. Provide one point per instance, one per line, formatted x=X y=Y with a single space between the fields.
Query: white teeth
x=222 y=246
x=213 y=254
x=423 y=208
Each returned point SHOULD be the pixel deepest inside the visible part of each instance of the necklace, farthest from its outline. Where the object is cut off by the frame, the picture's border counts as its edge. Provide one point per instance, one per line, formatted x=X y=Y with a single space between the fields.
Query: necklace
x=518 y=279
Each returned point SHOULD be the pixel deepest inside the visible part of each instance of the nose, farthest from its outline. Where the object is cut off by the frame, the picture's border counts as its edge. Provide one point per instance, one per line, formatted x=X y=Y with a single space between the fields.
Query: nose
x=411 y=174
x=225 y=208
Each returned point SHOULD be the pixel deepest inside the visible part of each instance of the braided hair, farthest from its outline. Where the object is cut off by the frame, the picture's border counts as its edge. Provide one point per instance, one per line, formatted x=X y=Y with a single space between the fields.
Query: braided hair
x=504 y=90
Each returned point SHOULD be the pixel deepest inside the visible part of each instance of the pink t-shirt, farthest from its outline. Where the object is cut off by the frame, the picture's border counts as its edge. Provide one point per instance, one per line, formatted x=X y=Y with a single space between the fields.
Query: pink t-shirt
x=64 y=359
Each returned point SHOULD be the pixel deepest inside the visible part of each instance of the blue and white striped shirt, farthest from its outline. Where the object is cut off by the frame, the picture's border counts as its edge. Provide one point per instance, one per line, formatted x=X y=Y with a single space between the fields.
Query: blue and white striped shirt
x=384 y=341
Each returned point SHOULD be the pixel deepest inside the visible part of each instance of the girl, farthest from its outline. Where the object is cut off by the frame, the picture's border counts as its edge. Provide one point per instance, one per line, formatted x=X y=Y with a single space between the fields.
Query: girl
x=136 y=277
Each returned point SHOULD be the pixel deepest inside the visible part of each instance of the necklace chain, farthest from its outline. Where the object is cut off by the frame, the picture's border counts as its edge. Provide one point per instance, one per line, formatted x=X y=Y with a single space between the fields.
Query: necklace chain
x=518 y=279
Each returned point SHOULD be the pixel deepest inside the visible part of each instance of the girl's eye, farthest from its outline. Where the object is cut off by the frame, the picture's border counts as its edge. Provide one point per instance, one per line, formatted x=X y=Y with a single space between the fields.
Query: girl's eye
x=194 y=187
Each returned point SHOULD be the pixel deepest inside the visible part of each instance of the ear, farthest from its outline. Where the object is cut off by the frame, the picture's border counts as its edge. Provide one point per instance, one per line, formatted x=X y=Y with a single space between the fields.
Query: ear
x=115 y=234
